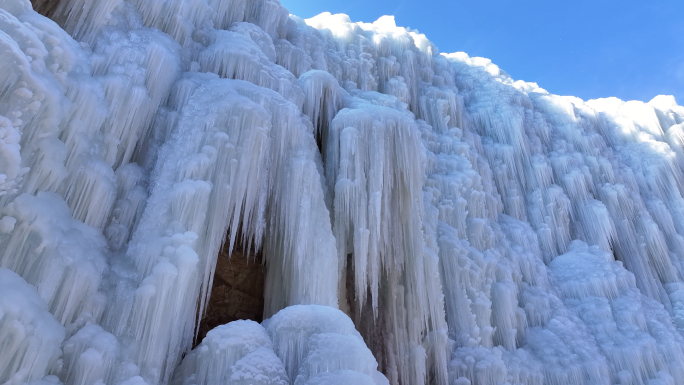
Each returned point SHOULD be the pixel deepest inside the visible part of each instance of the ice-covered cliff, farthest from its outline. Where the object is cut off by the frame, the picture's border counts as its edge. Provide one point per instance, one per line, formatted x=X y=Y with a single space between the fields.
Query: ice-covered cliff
x=422 y=218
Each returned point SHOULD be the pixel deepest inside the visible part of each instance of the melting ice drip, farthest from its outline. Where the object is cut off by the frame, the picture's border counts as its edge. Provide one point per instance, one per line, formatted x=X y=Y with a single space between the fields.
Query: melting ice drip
x=420 y=214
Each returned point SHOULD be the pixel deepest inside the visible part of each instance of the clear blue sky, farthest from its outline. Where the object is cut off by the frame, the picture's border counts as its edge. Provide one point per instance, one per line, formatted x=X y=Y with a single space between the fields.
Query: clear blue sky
x=586 y=48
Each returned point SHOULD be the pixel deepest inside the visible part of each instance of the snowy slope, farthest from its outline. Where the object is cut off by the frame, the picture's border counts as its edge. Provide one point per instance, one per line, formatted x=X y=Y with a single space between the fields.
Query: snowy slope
x=419 y=214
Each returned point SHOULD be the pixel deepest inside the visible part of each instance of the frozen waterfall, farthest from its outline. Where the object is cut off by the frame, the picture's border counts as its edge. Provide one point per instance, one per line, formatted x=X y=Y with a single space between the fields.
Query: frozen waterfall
x=421 y=217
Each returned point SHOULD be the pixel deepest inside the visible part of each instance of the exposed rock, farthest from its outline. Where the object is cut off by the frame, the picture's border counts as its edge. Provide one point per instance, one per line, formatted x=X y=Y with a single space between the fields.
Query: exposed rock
x=45 y=7
x=238 y=290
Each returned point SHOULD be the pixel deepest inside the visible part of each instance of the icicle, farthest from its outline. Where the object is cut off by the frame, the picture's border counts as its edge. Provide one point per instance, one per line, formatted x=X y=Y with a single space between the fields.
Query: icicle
x=90 y=356
x=323 y=100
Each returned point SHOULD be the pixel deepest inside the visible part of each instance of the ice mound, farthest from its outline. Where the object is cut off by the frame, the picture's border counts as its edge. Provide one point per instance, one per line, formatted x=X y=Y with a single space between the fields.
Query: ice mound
x=236 y=353
x=314 y=344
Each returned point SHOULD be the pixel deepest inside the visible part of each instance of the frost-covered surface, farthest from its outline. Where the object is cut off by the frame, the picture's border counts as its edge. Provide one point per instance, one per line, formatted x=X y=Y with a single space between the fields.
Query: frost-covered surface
x=470 y=229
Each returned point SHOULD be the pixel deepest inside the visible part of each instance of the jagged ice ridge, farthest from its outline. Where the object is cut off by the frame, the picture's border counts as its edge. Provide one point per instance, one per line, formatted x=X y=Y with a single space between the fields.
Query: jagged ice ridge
x=423 y=218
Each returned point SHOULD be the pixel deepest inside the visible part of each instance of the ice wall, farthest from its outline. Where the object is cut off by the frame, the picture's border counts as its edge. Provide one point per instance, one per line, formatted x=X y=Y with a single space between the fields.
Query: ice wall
x=419 y=214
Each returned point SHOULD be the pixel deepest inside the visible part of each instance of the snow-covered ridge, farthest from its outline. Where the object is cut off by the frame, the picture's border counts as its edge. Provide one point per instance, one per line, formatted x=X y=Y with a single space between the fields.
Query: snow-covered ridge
x=419 y=214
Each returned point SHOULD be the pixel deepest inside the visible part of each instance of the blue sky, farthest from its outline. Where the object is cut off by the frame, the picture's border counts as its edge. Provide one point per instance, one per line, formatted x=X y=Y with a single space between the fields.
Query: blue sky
x=586 y=48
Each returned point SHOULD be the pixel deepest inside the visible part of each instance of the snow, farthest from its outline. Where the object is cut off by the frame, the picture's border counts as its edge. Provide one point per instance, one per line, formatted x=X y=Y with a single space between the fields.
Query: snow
x=422 y=217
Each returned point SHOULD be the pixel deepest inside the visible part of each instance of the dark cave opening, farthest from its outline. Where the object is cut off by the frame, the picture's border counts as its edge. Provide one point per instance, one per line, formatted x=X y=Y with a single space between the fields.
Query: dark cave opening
x=237 y=292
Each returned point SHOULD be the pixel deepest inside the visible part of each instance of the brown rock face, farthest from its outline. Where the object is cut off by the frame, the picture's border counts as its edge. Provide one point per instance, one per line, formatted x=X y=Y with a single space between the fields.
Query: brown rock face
x=238 y=291
x=45 y=7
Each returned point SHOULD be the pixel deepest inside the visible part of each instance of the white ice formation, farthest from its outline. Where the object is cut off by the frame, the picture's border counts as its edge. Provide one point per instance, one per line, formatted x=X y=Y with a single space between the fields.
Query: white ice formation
x=423 y=218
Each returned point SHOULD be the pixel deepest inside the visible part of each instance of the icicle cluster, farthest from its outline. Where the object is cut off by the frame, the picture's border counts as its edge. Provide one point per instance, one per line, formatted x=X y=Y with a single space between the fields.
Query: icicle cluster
x=30 y=337
x=422 y=217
